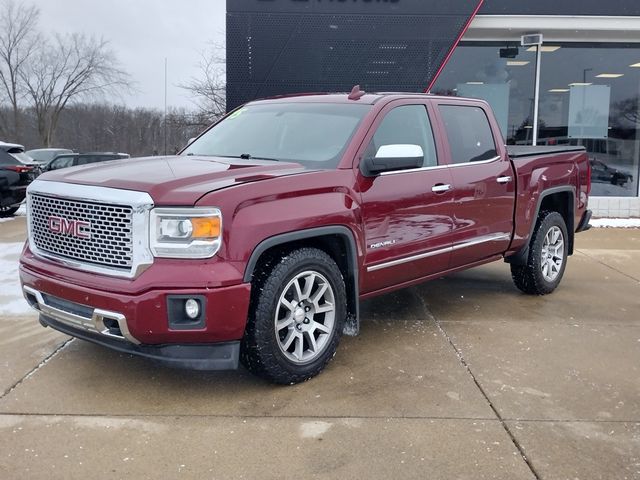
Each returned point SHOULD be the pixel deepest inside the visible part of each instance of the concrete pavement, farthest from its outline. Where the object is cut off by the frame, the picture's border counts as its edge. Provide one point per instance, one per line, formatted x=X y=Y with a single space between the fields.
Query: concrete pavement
x=462 y=377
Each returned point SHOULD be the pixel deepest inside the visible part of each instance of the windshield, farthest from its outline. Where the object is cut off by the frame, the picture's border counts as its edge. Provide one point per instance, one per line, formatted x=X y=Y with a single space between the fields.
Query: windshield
x=312 y=134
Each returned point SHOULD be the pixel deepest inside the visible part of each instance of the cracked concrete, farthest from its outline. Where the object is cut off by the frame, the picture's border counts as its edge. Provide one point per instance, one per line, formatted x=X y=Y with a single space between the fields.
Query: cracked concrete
x=462 y=377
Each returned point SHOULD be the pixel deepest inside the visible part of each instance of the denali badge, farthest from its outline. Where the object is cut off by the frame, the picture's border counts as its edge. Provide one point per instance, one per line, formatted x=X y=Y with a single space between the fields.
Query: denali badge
x=387 y=243
x=73 y=228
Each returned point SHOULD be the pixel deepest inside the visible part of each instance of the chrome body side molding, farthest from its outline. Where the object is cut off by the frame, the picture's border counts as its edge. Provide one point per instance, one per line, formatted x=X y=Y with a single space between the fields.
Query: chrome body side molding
x=495 y=237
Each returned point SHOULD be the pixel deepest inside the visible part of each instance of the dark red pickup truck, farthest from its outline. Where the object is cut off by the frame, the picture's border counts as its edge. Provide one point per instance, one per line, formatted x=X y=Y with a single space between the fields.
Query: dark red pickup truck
x=258 y=241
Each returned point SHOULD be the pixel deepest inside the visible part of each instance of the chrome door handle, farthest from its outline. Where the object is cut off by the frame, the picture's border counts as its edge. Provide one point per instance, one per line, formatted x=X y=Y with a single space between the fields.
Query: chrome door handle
x=504 y=179
x=440 y=188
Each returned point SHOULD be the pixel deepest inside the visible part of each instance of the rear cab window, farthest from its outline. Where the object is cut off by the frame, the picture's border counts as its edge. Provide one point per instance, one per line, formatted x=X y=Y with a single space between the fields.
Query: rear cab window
x=469 y=133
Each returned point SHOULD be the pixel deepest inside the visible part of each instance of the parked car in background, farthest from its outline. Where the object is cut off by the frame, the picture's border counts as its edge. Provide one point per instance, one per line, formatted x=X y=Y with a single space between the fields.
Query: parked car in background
x=17 y=151
x=74 y=159
x=14 y=179
x=600 y=172
x=45 y=155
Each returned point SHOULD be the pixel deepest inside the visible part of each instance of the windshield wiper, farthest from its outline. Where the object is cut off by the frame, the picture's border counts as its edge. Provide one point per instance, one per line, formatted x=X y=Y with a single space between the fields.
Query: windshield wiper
x=243 y=156
x=248 y=156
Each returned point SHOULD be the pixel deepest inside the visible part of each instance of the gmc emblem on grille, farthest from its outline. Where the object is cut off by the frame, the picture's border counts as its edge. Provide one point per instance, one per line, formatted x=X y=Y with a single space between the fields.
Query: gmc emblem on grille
x=72 y=228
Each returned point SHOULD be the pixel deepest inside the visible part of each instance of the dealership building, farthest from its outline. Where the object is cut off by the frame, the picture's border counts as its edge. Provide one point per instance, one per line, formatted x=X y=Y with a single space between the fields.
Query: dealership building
x=556 y=72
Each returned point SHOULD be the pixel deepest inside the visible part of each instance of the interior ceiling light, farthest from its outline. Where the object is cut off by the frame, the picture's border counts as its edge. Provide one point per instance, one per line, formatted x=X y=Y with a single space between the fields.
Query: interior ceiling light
x=580 y=84
x=558 y=90
x=517 y=63
x=610 y=75
x=544 y=48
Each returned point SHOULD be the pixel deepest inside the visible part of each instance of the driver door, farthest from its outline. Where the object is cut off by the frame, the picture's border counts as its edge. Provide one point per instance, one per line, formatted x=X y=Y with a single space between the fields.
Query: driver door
x=406 y=213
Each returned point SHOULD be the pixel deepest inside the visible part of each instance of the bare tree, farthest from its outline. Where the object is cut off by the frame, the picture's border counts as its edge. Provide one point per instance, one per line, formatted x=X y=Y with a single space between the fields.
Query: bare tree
x=69 y=69
x=628 y=109
x=18 y=43
x=209 y=89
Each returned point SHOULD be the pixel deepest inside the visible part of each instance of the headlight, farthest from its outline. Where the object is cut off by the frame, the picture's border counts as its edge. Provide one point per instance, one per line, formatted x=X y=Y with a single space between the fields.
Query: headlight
x=185 y=232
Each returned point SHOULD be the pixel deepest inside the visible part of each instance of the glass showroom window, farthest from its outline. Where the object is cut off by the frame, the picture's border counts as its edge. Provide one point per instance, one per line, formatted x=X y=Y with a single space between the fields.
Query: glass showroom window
x=501 y=73
x=589 y=96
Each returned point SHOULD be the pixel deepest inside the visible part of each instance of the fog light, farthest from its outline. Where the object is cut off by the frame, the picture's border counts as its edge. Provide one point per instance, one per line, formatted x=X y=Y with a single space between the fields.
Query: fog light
x=192 y=308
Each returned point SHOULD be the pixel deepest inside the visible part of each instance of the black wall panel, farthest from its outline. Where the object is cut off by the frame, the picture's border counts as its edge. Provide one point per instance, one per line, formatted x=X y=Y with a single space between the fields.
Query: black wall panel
x=277 y=47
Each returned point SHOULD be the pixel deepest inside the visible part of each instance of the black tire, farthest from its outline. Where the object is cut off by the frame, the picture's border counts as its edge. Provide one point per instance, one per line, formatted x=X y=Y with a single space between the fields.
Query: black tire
x=8 y=211
x=530 y=278
x=263 y=348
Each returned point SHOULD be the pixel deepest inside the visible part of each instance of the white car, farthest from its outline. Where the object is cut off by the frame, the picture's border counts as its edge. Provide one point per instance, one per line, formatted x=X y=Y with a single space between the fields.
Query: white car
x=45 y=155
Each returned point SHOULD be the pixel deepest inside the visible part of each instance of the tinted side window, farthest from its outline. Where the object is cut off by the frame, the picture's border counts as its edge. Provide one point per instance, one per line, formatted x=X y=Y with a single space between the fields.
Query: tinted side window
x=406 y=125
x=469 y=134
x=62 y=162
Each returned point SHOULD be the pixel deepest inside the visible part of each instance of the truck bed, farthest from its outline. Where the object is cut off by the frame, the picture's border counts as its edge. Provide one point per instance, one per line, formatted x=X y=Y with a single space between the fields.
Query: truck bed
x=519 y=151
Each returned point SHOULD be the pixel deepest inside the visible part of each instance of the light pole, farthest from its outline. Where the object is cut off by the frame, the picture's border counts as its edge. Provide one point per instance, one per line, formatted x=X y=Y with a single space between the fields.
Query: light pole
x=535 y=39
x=165 y=106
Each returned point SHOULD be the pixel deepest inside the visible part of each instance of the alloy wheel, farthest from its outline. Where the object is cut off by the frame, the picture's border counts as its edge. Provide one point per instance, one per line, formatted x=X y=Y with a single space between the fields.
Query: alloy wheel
x=305 y=317
x=552 y=255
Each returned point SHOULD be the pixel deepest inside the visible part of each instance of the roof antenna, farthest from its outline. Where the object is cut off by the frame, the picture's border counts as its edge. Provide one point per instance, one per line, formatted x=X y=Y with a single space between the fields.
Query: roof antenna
x=356 y=93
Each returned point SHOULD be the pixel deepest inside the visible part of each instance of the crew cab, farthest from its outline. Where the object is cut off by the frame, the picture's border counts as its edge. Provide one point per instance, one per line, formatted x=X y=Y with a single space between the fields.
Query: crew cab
x=256 y=243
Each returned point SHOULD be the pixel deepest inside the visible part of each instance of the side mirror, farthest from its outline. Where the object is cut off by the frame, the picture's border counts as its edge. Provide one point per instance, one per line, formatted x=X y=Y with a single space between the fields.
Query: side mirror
x=190 y=141
x=393 y=157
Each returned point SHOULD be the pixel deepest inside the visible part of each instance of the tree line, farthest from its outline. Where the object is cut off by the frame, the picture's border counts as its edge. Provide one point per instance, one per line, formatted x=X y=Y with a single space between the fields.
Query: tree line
x=113 y=128
x=54 y=91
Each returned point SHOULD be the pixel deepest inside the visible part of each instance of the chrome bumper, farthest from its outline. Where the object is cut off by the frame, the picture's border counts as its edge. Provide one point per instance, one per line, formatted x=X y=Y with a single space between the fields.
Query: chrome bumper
x=100 y=321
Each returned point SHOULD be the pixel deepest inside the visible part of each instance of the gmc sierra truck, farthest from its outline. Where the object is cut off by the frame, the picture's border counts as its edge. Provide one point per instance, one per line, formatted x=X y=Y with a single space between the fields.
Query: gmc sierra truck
x=256 y=243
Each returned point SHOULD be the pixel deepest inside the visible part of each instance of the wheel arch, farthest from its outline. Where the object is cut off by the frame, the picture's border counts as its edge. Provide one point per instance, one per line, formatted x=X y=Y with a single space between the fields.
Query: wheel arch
x=338 y=242
x=556 y=199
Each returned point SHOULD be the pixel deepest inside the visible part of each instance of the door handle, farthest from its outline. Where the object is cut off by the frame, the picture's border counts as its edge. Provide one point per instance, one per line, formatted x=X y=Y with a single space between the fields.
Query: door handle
x=504 y=179
x=441 y=188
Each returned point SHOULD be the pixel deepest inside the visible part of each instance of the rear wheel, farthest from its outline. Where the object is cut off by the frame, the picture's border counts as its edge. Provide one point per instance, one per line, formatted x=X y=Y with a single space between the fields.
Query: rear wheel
x=8 y=211
x=547 y=256
x=297 y=316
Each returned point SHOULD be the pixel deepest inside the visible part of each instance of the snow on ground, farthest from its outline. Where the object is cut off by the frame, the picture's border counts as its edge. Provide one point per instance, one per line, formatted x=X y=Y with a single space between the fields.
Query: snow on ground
x=12 y=303
x=615 y=222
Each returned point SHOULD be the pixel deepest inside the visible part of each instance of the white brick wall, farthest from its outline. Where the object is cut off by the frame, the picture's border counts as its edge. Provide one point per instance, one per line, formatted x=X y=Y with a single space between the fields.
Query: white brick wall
x=615 y=207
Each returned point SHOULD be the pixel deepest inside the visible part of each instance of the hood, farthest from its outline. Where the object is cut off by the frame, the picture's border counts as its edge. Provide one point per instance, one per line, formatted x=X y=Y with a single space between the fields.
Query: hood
x=175 y=180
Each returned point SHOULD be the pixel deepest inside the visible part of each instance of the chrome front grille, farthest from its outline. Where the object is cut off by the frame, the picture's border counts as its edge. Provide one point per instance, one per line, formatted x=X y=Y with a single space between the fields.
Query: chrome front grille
x=106 y=238
x=100 y=230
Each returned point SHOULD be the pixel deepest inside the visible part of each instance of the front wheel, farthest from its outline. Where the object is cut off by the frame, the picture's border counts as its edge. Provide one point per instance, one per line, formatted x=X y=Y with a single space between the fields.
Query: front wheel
x=547 y=256
x=297 y=315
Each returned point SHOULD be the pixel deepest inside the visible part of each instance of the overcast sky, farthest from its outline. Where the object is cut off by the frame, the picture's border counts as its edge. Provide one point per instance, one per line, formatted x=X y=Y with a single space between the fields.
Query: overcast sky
x=142 y=33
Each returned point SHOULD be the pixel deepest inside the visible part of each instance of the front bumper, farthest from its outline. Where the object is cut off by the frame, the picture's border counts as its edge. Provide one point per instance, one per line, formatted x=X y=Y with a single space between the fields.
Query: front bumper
x=133 y=316
x=219 y=356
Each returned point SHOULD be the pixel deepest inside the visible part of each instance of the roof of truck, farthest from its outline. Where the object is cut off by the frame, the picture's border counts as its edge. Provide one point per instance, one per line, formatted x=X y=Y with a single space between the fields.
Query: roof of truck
x=366 y=98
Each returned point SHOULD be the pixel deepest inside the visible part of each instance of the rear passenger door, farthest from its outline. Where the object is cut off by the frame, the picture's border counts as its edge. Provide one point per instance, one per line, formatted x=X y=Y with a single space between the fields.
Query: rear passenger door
x=407 y=225
x=483 y=183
